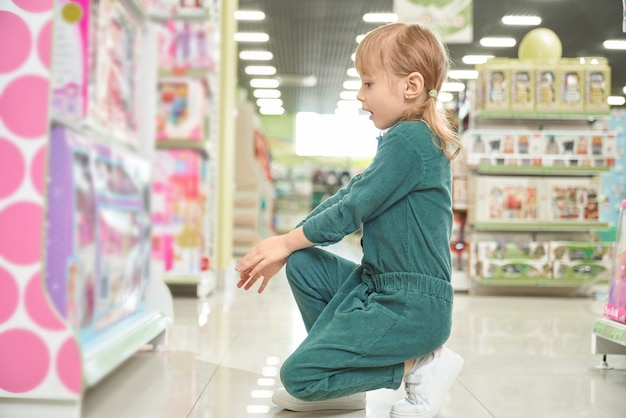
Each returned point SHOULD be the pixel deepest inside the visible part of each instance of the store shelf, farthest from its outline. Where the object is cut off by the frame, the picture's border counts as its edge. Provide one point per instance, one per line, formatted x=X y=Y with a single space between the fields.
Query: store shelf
x=545 y=115
x=183 y=144
x=119 y=342
x=572 y=226
x=541 y=170
x=533 y=282
x=608 y=337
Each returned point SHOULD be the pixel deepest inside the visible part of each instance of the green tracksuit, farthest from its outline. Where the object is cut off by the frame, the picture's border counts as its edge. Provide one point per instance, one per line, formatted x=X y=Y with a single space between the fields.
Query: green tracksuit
x=364 y=320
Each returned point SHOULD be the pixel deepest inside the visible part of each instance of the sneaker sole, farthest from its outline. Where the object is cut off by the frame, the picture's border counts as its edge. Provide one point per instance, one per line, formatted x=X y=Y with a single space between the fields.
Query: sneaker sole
x=455 y=364
x=331 y=404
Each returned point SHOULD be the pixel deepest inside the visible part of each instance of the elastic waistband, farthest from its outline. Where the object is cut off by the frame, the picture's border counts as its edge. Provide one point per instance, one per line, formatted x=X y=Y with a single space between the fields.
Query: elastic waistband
x=412 y=282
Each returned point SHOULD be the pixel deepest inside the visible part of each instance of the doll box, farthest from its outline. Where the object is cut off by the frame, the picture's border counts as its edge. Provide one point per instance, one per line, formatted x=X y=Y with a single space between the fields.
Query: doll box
x=572 y=199
x=502 y=198
x=522 y=92
x=546 y=88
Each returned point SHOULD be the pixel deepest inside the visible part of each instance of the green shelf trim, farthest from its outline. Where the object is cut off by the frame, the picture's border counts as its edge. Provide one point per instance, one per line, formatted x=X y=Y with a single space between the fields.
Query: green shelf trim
x=544 y=115
x=610 y=330
x=183 y=72
x=541 y=170
x=566 y=226
x=182 y=278
x=533 y=282
x=102 y=356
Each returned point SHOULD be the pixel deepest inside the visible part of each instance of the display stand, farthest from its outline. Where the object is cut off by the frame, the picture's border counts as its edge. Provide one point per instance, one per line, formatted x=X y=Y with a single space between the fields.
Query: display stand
x=535 y=148
x=72 y=314
x=185 y=160
x=609 y=332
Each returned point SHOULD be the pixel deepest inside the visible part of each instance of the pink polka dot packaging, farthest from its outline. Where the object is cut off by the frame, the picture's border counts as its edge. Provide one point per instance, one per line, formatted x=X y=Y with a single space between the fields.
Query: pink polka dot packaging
x=615 y=307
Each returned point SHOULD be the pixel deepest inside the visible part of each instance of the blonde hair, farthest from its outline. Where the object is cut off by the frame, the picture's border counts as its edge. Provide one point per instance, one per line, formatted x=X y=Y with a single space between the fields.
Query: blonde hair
x=402 y=49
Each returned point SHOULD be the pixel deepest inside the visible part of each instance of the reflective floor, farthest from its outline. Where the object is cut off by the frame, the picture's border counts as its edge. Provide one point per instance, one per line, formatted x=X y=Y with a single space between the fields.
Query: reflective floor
x=526 y=357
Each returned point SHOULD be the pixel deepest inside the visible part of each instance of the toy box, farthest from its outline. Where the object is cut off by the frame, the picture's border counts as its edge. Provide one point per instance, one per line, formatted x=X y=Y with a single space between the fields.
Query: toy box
x=186 y=44
x=615 y=307
x=493 y=147
x=546 y=88
x=495 y=81
x=511 y=260
x=572 y=85
x=506 y=199
x=522 y=92
x=597 y=87
x=573 y=199
x=180 y=109
x=581 y=260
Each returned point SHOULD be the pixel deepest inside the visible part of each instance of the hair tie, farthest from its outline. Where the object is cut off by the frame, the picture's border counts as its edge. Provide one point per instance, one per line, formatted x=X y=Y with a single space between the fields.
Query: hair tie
x=432 y=94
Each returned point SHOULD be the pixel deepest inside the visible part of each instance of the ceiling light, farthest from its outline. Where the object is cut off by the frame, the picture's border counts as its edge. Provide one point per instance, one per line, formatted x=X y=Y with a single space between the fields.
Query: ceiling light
x=348 y=95
x=269 y=103
x=498 y=42
x=260 y=70
x=346 y=111
x=249 y=15
x=256 y=55
x=264 y=83
x=463 y=74
x=445 y=97
x=251 y=37
x=476 y=59
x=297 y=80
x=352 y=72
x=446 y=86
x=380 y=17
x=272 y=111
x=359 y=38
x=351 y=104
x=352 y=84
x=266 y=93
x=521 y=20
x=624 y=89
x=614 y=44
x=616 y=100
x=353 y=56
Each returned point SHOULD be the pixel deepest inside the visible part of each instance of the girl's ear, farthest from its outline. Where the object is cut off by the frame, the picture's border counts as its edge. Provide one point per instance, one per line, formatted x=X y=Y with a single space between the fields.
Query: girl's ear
x=414 y=85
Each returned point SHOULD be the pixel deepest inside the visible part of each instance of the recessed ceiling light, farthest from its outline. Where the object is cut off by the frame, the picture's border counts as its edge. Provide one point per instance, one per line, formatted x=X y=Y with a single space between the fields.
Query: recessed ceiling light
x=264 y=83
x=256 y=55
x=271 y=111
x=251 y=37
x=463 y=74
x=380 y=17
x=249 y=15
x=260 y=70
x=269 y=103
x=498 y=42
x=616 y=100
x=359 y=38
x=352 y=72
x=476 y=59
x=351 y=104
x=352 y=84
x=348 y=95
x=624 y=89
x=614 y=44
x=521 y=20
x=266 y=93
x=447 y=86
x=445 y=97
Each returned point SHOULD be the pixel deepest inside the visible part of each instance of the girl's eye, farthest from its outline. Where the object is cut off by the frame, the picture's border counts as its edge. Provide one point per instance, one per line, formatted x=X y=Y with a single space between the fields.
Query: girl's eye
x=368 y=84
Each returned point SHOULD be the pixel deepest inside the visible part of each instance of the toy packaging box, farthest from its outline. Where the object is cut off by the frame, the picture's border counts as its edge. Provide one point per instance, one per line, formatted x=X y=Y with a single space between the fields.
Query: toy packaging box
x=581 y=260
x=522 y=83
x=511 y=260
x=180 y=109
x=506 y=199
x=495 y=82
x=573 y=199
x=597 y=87
x=572 y=86
x=615 y=307
x=493 y=147
x=546 y=88
x=186 y=45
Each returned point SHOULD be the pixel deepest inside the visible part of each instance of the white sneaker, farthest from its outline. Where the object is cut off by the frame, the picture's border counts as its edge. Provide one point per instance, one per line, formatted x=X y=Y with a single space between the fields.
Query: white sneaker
x=427 y=384
x=283 y=398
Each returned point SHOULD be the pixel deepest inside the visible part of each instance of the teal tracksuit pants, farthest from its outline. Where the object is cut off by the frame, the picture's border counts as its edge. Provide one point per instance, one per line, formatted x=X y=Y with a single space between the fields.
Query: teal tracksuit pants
x=361 y=330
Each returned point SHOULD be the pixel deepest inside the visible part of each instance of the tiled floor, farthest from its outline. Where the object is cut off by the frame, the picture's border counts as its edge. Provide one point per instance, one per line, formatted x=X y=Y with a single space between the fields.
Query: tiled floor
x=525 y=357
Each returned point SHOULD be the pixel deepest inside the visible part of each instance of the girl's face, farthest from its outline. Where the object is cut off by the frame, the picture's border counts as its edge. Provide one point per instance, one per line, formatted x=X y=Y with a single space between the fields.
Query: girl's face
x=383 y=98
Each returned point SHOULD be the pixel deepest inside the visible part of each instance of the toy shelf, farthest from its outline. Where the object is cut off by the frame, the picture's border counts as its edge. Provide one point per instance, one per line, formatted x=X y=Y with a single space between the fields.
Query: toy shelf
x=608 y=337
x=534 y=226
x=541 y=171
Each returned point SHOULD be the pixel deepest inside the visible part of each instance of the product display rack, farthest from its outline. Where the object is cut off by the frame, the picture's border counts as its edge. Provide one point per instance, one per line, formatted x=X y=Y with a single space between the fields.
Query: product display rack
x=533 y=178
x=80 y=300
x=187 y=61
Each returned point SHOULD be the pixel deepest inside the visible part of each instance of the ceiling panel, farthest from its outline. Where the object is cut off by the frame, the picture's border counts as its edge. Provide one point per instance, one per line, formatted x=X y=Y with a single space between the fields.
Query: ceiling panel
x=317 y=37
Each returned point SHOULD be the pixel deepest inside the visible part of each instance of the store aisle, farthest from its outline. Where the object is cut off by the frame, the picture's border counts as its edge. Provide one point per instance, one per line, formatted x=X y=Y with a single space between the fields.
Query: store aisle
x=524 y=357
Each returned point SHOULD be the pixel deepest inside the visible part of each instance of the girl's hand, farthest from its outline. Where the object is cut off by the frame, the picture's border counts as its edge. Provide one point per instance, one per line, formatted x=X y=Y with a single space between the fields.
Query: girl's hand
x=262 y=262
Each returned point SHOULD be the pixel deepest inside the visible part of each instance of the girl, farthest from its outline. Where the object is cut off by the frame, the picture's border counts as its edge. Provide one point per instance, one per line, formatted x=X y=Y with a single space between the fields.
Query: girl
x=372 y=325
